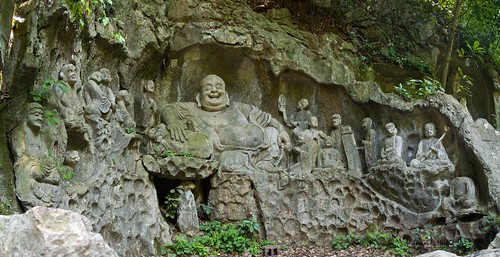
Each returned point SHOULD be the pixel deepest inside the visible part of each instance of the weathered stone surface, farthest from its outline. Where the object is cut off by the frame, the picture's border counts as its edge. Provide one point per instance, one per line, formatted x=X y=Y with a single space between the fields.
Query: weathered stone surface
x=50 y=232
x=486 y=253
x=438 y=253
x=259 y=56
x=185 y=168
x=495 y=244
x=187 y=218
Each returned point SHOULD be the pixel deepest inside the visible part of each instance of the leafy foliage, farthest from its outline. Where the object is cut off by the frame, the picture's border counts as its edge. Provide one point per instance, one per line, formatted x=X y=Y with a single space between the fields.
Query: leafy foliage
x=204 y=210
x=218 y=238
x=41 y=94
x=462 y=246
x=80 y=9
x=491 y=226
x=418 y=88
x=171 y=203
x=130 y=130
x=374 y=239
x=67 y=174
x=5 y=209
x=52 y=117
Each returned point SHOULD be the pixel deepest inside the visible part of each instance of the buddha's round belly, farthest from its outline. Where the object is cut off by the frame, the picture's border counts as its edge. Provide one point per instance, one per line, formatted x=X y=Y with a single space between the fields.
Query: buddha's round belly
x=241 y=136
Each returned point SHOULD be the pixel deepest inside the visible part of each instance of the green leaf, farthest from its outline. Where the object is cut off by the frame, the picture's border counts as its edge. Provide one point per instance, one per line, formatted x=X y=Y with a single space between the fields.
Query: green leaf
x=105 y=21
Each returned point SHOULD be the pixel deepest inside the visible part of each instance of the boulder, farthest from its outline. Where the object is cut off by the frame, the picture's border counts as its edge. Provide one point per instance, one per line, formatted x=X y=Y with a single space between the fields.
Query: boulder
x=50 y=232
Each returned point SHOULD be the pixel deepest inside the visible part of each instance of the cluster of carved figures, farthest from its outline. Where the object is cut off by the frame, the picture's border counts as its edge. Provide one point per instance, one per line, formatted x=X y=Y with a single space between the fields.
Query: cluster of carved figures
x=94 y=120
x=237 y=137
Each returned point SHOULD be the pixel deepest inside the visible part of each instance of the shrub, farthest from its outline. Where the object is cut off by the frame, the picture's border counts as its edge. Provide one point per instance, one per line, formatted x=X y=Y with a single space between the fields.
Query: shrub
x=418 y=88
x=218 y=238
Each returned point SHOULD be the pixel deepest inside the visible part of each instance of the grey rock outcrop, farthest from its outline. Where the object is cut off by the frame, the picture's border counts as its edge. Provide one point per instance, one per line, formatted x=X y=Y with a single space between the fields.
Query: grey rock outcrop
x=438 y=253
x=50 y=232
x=238 y=154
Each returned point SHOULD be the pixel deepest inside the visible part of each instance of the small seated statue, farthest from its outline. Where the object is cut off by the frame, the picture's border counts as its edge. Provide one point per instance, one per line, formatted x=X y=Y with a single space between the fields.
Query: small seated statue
x=328 y=156
x=37 y=177
x=462 y=199
x=392 y=147
x=431 y=152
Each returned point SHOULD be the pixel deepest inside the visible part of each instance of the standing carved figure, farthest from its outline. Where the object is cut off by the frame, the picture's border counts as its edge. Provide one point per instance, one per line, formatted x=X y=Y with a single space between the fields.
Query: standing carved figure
x=37 y=177
x=70 y=102
x=299 y=120
x=145 y=108
x=369 y=142
x=308 y=148
x=336 y=135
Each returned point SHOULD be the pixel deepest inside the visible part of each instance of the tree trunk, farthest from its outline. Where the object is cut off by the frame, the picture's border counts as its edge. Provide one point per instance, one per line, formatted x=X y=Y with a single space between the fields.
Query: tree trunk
x=451 y=36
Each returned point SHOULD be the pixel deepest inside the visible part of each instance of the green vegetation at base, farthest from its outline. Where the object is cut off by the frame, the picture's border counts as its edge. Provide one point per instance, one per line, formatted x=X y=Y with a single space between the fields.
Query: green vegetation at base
x=5 y=209
x=374 y=239
x=217 y=238
x=425 y=241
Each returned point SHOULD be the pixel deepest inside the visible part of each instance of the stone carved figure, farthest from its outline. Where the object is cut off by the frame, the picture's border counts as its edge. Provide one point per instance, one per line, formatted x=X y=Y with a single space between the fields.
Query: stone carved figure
x=99 y=95
x=462 y=199
x=37 y=157
x=101 y=132
x=431 y=152
x=392 y=147
x=369 y=142
x=299 y=120
x=329 y=157
x=308 y=148
x=70 y=103
x=233 y=133
x=336 y=135
x=146 y=108
x=123 y=113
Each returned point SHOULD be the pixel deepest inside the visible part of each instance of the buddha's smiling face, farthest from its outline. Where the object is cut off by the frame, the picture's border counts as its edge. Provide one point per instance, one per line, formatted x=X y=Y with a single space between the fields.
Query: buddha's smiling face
x=213 y=93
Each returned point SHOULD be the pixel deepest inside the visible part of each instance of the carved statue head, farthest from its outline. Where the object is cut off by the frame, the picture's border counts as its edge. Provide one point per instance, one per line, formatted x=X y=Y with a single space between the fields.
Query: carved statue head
x=303 y=104
x=106 y=76
x=149 y=86
x=366 y=123
x=313 y=122
x=35 y=116
x=96 y=76
x=429 y=130
x=391 y=128
x=213 y=96
x=336 y=120
x=124 y=95
x=71 y=158
x=68 y=74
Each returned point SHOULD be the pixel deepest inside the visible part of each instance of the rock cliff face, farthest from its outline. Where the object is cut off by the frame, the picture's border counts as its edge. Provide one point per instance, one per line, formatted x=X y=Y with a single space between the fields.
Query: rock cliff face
x=117 y=140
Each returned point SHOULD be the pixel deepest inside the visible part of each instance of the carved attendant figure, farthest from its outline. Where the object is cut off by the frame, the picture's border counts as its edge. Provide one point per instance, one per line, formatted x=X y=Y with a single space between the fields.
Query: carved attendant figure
x=299 y=120
x=145 y=107
x=308 y=148
x=70 y=103
x=430 y=151
x=369 y=141
x=392 y=146
x=37 y=178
